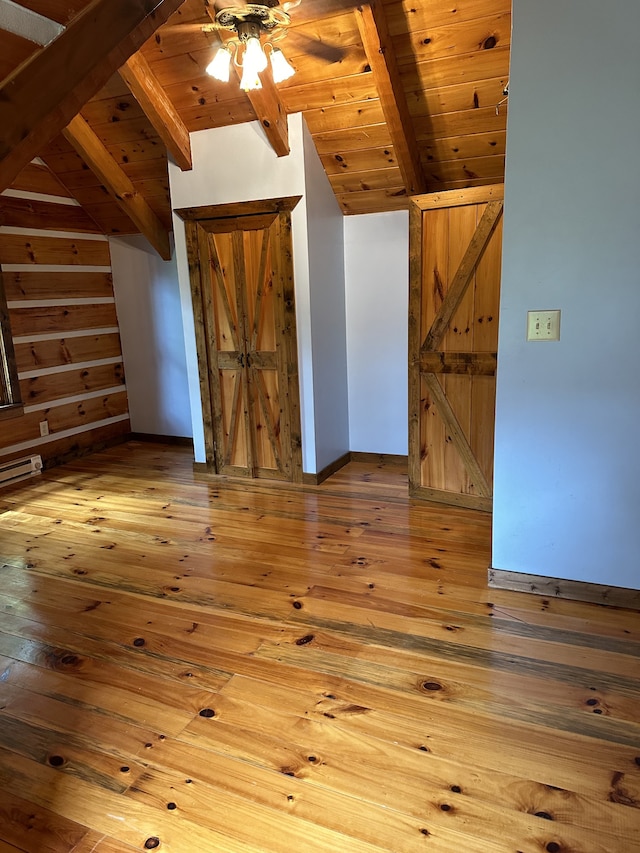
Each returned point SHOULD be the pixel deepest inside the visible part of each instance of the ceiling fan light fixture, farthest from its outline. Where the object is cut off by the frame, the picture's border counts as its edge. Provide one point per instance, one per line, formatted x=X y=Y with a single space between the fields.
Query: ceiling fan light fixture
x=281 y=69
x=220 y=65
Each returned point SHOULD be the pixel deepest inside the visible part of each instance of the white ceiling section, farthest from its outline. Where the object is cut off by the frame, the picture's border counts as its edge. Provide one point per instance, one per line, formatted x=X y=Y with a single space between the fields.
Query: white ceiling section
x=23 y=22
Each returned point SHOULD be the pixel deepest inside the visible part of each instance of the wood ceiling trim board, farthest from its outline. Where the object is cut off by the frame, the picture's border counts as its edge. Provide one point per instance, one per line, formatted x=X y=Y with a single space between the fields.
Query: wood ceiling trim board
x=411 y=16
x=93 y=152
x=198 y=119
x=126 y=131
x=455 y=39
x=366 y=160
x=447 y=186
x=111 y=110
x=355 y=114
x=205 y=98
x=461 y=123
x=462 y=147
x=453 y=70
x=352 y=139
x=170 y=41
x=339 y=30
x=475 y=168
x=373 y=201
x=138 y=151
x=448 y=99
x=380 y=179
x=75 y=65
x=379 y=49
x=158 y=109
x=344 y=90
x=311 y=70
x=184 y=68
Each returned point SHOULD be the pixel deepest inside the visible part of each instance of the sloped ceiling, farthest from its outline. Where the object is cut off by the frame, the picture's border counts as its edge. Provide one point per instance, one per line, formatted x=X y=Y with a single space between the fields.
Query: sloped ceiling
x=400 y=97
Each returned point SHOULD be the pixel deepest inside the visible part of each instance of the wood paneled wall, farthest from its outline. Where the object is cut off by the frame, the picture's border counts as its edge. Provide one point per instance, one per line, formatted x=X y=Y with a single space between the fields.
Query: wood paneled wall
x=57 y=273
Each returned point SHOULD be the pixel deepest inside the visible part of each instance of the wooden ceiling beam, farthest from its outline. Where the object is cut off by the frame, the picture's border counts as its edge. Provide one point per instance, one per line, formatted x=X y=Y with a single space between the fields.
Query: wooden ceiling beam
x=378 y=47
x=43 y=94
x=271 y=114
x=118 y=184
x=158 y=108
x=267 y=106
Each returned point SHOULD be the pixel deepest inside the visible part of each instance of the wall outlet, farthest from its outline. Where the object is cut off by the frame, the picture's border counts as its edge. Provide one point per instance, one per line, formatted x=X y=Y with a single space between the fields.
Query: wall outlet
x=543 y=325
x=44 y=427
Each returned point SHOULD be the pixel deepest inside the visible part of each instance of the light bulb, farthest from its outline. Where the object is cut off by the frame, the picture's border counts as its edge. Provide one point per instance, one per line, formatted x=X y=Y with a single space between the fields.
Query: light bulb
x=254 y=59
x=280 y=68
x=219 y=65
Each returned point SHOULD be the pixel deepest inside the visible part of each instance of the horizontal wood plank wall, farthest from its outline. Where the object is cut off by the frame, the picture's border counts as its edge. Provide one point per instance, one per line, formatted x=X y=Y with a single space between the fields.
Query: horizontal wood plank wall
x=57 y=272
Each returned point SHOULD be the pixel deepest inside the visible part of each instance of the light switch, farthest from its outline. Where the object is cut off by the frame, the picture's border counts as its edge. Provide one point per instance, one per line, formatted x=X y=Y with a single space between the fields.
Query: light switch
x=543 y=325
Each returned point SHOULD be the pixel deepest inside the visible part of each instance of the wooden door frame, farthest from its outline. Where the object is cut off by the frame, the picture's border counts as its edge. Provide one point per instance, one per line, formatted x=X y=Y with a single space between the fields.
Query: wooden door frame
x=191 y=216
x=420 y=358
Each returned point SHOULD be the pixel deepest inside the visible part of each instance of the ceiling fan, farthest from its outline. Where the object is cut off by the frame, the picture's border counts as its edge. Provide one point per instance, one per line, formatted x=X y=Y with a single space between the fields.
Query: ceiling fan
x=255 y=27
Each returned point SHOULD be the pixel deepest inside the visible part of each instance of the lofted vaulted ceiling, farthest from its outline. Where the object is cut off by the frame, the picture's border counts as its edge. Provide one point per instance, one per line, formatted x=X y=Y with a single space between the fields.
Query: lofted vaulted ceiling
x=399 y=96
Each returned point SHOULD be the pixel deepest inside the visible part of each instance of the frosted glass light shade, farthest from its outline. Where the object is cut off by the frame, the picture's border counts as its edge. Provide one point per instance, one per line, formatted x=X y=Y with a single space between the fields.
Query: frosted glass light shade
x=280 y=68
x=254 y=59
x=250 y=80
x=219 y=65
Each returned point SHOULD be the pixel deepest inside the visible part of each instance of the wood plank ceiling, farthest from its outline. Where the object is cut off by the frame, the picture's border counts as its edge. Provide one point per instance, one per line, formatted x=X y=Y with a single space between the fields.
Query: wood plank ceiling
x=400 y=97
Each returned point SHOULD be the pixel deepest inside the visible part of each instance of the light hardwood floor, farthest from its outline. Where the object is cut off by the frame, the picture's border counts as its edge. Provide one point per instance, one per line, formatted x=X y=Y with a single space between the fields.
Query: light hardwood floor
x=189 y=665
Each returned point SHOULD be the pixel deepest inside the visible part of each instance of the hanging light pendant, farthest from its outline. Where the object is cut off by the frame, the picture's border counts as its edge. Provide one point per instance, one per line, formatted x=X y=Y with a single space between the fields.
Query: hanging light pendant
x=249 y=23
x=220 y=65
x=280 y=68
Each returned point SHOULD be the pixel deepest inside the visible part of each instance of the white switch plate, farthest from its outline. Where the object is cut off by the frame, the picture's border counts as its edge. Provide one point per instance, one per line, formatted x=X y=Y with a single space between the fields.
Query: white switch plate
x=44 y=428
x=543 y=325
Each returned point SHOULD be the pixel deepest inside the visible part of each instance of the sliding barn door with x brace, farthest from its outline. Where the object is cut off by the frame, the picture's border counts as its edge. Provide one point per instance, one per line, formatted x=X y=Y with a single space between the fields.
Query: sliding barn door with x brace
x=455 y=245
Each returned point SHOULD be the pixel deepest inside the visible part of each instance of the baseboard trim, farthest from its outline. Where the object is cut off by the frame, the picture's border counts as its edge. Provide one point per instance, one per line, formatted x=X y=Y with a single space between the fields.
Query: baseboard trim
x=386 y=458
x=181 y=440
x=595 y=593
x=424 y=493
x=327 y=471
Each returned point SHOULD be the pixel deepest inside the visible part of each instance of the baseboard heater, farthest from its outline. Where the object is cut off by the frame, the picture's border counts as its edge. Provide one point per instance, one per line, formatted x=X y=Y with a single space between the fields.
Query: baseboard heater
x=19 y=469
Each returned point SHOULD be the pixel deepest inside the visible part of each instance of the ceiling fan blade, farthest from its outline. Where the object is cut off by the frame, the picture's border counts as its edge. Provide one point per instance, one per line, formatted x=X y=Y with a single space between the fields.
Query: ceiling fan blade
x=314 y=47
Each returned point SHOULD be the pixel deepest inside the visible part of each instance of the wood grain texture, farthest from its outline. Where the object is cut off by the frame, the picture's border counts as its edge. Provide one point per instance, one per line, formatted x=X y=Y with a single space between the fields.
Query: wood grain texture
x=18 y=249
x=118 y=184
x=243 y=667
x=22 y=213
x=454 y=296
x=75 y=66
x=158 y=108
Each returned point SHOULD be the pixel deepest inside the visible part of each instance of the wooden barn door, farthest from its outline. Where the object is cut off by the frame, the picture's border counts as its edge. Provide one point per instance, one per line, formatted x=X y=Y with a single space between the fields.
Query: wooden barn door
x=455 y=246
x=242 y=289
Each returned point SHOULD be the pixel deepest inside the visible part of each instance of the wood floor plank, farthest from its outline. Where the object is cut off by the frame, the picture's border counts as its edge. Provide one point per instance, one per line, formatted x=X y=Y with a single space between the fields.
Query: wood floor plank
x=193 y=663
x=23 y=827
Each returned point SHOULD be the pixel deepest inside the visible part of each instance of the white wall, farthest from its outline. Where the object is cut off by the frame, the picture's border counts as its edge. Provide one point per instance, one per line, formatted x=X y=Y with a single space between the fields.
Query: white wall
x=148 y=305
x=567 y=472
x=377 y=304
x=327 y=294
